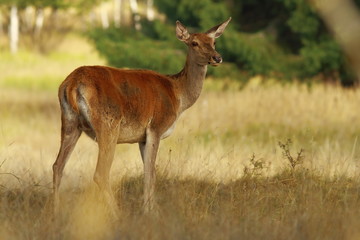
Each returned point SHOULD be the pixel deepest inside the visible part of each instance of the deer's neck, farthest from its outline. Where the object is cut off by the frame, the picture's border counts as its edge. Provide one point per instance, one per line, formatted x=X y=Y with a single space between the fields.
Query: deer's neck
x=190 y=81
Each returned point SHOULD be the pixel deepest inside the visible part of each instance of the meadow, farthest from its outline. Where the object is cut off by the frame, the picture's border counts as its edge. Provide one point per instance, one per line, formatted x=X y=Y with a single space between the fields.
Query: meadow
x=264 y=161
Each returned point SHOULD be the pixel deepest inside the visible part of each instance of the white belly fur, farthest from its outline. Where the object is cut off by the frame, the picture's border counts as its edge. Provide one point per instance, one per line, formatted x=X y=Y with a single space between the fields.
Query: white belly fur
x=168 y=132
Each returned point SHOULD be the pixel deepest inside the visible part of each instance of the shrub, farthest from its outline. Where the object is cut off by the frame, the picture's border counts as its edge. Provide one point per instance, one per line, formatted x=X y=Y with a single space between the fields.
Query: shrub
x=324 y=56
x=128 y=49
x=285 y=40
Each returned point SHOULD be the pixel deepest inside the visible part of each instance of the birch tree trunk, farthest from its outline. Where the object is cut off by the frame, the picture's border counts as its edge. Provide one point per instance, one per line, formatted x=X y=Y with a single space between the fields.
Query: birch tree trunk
x=28 y=17
x=117 y=13
x=135 y=14
x=104 y=17
x=39 y=21
x=14 y=29
x=150 y=15
x=343 y=19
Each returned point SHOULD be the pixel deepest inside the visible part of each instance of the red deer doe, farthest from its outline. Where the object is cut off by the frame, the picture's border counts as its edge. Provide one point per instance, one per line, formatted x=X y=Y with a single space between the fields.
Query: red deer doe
x=130 y=106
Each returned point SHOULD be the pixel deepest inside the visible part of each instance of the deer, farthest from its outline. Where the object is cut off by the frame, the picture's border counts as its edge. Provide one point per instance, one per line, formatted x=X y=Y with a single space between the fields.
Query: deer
x=114 y=106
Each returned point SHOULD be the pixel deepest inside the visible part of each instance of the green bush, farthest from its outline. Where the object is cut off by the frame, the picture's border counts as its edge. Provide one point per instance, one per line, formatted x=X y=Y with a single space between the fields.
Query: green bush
x=155 y=48
x=128 y=49
x=324 y=56
x=227 y=70
x=197 y=14
x=254 y=53
x=281 y=38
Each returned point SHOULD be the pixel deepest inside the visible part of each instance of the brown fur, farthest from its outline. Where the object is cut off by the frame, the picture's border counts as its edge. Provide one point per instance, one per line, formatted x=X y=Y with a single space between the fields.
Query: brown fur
x=130 y=106
x=134 y=99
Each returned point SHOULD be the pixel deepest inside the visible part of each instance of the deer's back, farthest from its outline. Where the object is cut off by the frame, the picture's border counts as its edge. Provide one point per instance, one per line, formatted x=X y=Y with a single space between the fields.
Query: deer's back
x=134 y=98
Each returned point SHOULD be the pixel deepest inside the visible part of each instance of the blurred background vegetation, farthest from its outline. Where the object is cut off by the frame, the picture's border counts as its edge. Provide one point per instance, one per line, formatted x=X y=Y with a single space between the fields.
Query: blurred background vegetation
x=284 y=40
x=269 y=161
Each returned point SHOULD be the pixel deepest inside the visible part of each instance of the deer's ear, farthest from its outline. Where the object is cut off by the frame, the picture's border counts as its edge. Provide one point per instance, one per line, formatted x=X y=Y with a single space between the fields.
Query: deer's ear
x=181 y=32
x=216 y=31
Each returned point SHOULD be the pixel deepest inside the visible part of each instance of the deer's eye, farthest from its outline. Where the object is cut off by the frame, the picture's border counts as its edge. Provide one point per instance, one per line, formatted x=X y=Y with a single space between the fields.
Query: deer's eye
x=194 y=44
x=214 y=44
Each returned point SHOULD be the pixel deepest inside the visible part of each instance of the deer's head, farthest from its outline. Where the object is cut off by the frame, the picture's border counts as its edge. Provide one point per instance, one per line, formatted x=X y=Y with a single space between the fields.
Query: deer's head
x=202 y=45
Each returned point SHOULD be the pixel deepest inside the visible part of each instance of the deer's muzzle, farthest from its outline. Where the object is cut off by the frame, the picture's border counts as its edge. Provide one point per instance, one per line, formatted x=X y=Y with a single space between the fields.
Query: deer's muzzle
x=215 y=60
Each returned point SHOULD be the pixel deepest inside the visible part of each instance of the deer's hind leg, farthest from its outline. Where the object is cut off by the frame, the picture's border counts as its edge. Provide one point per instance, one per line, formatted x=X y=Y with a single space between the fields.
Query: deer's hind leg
x=107 y=140
x=70 y=134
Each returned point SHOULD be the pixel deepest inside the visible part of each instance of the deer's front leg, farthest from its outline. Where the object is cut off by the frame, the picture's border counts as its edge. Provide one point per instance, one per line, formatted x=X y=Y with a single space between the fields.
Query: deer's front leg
x=148 y=152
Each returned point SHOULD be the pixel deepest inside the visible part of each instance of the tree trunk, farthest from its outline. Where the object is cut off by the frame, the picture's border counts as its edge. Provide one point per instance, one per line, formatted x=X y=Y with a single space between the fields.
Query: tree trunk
x=104 y=17
x=27 y=20
x=343 y=19
x=14 y=29
x=117 y=13
x=150 y=15
x=135 y=14
x=39 y=21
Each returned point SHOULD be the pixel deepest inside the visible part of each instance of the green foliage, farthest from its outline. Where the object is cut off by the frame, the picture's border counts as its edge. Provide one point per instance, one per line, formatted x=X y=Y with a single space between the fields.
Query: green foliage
x=56 y=4
x=250 y=52
x=282 y=38
x=304 y=22
x=155 y=48
x=318 y=50
x=159 y=31
x=199 y=14
x=81 y=5
x=126 y=48
x=226 y=70
x=324 y=56
x=202 y=13
x=255 y=15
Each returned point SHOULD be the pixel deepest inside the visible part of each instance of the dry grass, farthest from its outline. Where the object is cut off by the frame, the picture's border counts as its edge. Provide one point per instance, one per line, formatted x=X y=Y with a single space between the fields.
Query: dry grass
x=227 y=172
x=303 y=206
x=203 y=192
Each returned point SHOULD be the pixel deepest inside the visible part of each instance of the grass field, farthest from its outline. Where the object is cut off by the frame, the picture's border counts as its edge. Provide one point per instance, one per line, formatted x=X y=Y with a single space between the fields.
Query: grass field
x=222 y=174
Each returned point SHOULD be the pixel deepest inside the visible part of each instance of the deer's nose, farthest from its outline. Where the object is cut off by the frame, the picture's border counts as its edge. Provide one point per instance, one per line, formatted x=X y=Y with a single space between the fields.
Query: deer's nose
x=217 y=59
